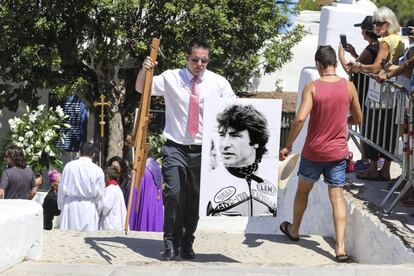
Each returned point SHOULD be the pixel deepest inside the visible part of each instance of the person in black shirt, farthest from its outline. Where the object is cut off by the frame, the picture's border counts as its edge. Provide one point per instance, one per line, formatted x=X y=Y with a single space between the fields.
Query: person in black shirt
x=361 y=81
x=50 y=208
x=18 y=180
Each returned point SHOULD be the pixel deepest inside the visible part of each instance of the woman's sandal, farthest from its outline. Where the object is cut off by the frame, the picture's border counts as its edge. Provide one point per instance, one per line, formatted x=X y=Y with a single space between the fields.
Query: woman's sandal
x=341 y=258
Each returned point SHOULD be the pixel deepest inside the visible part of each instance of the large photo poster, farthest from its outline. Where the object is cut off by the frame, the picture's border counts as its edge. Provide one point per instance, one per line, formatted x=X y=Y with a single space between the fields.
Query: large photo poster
x=240 y=157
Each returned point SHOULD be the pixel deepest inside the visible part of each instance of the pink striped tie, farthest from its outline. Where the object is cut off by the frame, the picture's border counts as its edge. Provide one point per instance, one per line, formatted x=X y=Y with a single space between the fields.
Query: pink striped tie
x=194 y=110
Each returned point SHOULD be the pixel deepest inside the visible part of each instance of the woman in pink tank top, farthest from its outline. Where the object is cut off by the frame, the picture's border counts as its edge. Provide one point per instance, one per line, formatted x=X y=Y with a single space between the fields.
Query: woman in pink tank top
x=327 y=101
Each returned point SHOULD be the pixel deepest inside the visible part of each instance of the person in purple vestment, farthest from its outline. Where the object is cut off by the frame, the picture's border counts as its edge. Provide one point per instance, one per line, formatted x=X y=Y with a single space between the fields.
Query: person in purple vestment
x=150 y=215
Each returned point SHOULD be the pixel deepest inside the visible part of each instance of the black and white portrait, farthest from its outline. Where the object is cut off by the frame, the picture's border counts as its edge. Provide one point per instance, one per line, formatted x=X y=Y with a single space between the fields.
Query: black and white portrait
x=240 y=157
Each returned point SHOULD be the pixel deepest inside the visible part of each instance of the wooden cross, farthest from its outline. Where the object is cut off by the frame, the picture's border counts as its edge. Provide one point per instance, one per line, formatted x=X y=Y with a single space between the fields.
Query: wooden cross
x=102 y=104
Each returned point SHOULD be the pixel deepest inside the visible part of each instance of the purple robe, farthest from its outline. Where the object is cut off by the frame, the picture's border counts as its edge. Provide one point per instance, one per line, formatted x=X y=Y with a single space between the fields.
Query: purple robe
x=150 y=216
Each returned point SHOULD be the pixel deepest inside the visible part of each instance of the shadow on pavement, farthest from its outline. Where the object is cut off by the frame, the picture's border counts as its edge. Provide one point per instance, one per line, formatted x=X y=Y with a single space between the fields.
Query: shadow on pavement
x=253 y=240
x=207 y=258
x=145 y=247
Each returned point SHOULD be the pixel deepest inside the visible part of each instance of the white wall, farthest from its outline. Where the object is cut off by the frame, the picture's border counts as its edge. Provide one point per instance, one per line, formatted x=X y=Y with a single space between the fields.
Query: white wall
x=340 y=20
x=321 y=28
x=21 y=238
x=303 y=55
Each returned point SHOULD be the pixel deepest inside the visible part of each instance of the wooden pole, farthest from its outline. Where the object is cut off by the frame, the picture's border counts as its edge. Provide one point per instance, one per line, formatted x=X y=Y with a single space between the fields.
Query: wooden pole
x=140 y=135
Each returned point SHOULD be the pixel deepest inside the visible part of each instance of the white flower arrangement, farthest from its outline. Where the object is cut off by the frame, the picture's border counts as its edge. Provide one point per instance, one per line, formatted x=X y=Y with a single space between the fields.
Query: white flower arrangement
x=37 y=133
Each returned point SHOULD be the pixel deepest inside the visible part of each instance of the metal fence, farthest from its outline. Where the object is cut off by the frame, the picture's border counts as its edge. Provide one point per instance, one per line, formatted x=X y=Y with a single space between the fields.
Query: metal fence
x=387 y=110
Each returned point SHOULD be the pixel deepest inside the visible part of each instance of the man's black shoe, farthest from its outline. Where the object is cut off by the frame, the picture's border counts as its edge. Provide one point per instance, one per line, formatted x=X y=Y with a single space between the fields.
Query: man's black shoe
x=169 y=255
x=187 y=253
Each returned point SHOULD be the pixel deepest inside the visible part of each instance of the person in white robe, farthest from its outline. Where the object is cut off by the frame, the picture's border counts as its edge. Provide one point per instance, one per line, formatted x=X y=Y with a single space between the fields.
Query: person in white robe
x=81 y=191
x=113 y=213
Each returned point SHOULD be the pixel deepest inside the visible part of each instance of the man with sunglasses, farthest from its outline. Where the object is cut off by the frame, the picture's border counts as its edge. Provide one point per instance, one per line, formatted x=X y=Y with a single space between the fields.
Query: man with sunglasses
x=184 y=91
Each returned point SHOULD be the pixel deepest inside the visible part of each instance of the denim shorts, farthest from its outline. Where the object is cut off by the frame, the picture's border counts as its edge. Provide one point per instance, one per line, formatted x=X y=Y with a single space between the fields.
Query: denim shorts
x=333 y=171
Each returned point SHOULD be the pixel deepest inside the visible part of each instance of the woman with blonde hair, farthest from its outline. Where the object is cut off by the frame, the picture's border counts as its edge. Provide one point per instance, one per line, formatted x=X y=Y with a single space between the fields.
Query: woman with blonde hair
x=391 y=47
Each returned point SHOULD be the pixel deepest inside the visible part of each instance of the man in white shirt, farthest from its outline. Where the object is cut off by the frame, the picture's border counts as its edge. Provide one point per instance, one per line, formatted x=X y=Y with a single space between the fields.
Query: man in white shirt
x=184 y=91
x=80 y=192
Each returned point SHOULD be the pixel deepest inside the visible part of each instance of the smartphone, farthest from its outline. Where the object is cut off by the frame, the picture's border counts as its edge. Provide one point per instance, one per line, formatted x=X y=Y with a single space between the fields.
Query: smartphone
x=405 y=31
x=343 y=40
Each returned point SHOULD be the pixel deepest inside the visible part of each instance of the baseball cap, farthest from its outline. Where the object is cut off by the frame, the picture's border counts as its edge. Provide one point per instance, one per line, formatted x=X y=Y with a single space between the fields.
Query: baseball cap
x=366 y=23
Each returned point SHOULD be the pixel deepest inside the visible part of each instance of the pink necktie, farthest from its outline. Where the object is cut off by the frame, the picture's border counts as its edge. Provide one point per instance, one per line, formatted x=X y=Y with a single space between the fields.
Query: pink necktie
x=194 y=110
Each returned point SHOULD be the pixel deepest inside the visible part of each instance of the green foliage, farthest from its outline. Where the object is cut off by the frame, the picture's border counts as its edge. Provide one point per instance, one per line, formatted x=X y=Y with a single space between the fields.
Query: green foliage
x=54 y=44
x=308 y=5
x=80 y=46
x=37 y=133
x=402 y=9
x=156 y=141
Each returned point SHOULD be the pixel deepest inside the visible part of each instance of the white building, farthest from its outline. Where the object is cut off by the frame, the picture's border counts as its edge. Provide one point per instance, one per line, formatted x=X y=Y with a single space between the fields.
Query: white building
x=321 y=28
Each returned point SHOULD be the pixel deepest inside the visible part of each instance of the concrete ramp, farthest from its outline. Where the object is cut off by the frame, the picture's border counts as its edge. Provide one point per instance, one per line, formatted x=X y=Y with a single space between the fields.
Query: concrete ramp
x=21 y=235
x=218 y=253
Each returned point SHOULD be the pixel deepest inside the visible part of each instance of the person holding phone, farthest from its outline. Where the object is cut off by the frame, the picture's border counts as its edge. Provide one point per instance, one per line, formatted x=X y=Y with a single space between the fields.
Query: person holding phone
x=370 y=52
x=406 y=64
x=404 y=70
x=391 y=48
x=406 y=31
x=342 y=38
x=404 y=74
x=367 y=56
x=405 y=78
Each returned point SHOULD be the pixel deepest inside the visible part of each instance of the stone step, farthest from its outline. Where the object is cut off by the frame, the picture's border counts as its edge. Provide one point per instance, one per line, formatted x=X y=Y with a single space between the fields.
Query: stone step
x=200 y=269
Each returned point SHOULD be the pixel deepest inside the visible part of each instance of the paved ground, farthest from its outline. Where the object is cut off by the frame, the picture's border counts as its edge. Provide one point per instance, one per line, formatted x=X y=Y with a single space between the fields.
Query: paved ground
x=112 y=253
x=219 y=253
x=211 y=247
x=210 y=270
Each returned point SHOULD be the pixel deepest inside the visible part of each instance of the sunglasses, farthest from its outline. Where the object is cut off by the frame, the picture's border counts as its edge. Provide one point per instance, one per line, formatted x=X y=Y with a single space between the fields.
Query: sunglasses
x=379 y=23
x=196 y=60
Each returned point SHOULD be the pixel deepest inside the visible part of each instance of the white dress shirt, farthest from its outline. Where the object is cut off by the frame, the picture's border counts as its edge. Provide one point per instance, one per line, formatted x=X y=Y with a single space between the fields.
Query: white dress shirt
x=175 y=86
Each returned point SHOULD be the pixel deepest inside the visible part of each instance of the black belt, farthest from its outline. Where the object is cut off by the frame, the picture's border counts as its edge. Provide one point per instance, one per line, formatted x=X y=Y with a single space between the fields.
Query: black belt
x=189 y=148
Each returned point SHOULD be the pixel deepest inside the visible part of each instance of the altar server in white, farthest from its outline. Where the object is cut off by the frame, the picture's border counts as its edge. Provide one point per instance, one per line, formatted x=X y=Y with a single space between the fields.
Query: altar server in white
x=113 y=211
x=81 y=192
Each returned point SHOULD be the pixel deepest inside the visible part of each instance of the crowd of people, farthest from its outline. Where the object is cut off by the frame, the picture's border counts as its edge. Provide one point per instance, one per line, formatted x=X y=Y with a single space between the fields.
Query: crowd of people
x=386 y=57
x=89 y=199
x=325 y=150
x=86 y=198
